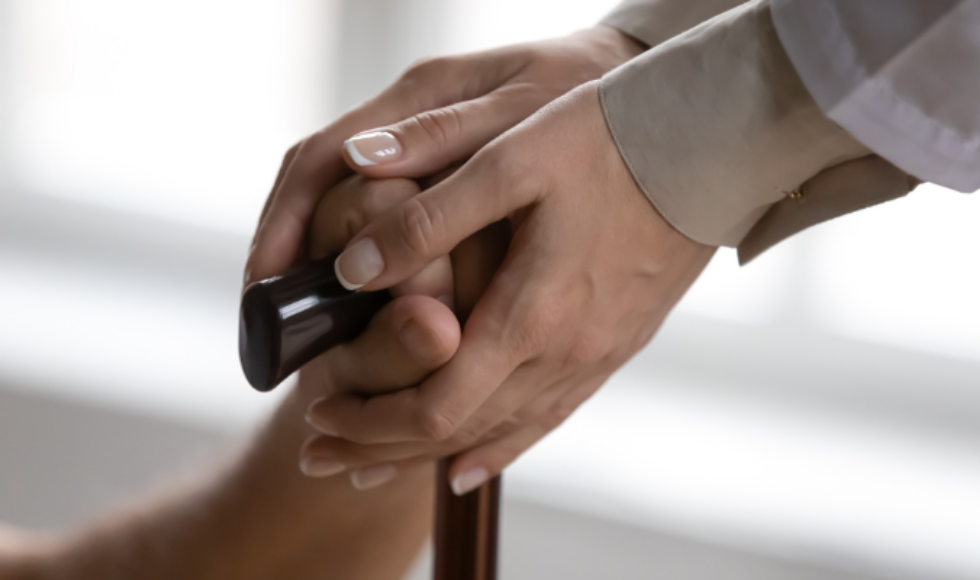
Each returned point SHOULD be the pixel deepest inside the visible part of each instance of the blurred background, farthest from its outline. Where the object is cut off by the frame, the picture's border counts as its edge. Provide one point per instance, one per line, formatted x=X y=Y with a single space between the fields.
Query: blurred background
x=815 y=414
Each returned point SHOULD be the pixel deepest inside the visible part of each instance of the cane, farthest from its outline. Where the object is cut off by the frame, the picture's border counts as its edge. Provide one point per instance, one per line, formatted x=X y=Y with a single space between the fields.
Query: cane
x=285 y=322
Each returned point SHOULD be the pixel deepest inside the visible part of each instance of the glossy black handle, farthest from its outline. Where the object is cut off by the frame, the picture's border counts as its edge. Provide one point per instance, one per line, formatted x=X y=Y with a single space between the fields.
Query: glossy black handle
x=288 y=320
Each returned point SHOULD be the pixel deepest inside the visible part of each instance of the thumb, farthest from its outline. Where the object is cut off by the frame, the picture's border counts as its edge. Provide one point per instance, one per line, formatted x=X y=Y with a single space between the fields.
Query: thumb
x=431 y=141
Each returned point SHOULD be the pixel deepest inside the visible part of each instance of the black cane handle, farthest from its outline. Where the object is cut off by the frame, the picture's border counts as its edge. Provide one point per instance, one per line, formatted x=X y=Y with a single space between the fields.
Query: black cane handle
x=287 y=321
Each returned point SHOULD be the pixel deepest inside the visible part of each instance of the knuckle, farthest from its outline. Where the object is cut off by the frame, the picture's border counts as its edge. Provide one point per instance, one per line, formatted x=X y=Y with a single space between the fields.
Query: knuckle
x=586 y=350
x=465 y=436
x=501 y=429
x=537 y=328
x=435 y=425
x=419 y=66
x=417 y=227
x=291 y=152
x=556 y=414
x=439 y=126
x=424 y=68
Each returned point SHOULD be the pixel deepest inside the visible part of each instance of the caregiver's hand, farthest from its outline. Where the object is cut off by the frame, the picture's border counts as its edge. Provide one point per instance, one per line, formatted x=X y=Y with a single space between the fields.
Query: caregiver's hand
x=457 y=104
x=591 y=273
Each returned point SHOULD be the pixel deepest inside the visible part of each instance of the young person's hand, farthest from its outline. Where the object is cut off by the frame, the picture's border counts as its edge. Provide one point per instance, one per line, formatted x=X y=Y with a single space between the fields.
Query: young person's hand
x=591 y=273
x=461 y=102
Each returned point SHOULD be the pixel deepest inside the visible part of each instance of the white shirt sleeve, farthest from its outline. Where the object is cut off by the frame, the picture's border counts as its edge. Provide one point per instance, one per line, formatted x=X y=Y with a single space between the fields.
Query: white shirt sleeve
x=902 y=76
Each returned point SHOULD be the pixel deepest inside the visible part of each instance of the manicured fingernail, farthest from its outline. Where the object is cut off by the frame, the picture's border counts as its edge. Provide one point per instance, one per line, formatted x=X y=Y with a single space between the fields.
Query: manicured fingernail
x=373 y=476
x=468 y=481
x=321 y=425
x=320 y=466
x=373 y=148
x=359 y=264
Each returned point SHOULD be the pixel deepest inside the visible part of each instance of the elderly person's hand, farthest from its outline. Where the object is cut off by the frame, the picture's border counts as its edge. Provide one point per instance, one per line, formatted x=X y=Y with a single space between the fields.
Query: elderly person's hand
x=591 y=273
x=254 y=516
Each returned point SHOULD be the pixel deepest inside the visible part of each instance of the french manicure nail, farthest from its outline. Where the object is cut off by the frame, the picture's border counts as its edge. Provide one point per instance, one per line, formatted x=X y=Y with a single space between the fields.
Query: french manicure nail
x=359 y=264
x=320 y=466
x=373 y=476
x=373 y=148
x=468 y=481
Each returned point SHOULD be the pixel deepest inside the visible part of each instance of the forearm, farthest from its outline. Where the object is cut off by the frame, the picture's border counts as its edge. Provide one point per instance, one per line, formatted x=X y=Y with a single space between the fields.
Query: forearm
x=259 y=518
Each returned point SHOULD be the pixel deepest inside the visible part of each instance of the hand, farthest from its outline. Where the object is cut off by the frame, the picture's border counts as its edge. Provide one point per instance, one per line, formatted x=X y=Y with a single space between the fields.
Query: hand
x=342 y=212
x=257 y=517
x=591 y=273
x=462 y=102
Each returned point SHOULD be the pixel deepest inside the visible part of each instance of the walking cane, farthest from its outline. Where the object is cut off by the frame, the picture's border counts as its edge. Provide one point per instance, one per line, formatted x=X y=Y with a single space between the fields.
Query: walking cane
x=287 y=321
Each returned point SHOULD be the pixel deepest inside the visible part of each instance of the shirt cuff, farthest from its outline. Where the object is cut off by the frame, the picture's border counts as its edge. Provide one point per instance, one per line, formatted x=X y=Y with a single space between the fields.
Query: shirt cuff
x=654 y=21
x=906 y=86
x=716 y=126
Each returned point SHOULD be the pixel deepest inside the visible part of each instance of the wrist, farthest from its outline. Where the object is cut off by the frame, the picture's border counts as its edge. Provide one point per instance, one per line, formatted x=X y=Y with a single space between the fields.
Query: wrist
x=610 y=46
x=617 y=41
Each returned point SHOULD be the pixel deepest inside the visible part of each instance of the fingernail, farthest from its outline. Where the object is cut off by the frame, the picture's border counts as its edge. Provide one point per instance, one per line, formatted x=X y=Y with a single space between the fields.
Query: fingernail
x=373 y=148
x=469 y=480
x=359 y=264
x=321 y=425
x=247 y=278
x=320 y=466
x=373 y=476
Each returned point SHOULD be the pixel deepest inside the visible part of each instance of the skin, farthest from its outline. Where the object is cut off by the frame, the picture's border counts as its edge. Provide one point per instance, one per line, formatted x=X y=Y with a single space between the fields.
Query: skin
x=502 y=88
x=591 y=274
x=257 y=516
x=530 y=354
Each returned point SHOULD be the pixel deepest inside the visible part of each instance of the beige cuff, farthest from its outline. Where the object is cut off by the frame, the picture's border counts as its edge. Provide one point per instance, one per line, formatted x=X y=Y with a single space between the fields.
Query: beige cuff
x=716 y=126
x=654 y=21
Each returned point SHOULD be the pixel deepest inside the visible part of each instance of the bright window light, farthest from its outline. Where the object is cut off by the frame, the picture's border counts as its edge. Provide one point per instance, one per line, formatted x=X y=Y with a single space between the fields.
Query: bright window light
x=903 y=274
x=180 y=109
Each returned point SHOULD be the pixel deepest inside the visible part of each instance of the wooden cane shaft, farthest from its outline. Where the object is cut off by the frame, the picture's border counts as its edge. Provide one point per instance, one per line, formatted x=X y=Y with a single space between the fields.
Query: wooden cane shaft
x=466 y=530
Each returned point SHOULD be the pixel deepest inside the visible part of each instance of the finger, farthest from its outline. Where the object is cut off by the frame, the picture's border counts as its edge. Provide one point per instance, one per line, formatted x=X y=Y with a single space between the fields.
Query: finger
x=489 y=423
x=504 y=331
x=318 y=458
x=408 y=339
x=351 y=205
x=318 y=164
x=406 y=239
x=476 y=466
x=432 y=140
x=429 y=413
x=435 y=280
x=371 y=467
x=286 y=162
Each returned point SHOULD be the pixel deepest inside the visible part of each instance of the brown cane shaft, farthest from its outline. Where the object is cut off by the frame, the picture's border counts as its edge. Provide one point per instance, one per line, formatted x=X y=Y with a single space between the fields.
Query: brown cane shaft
x=466 y=529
